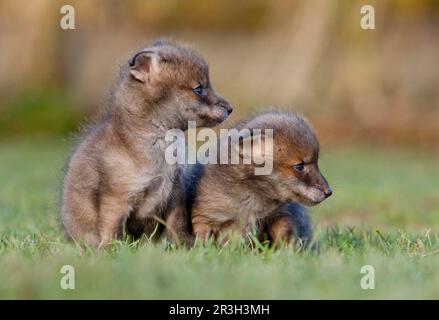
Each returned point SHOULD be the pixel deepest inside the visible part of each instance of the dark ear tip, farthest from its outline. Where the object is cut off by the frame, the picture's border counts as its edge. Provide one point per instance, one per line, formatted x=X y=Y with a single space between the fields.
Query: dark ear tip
x=132 y=61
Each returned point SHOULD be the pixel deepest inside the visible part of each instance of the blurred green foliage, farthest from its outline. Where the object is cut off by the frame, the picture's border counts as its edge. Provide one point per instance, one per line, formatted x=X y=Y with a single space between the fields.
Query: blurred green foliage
x=33 y=111
x=308 y=54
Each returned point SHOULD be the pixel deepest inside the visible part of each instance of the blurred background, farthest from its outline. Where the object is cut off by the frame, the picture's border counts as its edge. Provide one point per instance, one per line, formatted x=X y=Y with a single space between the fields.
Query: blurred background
x=372 y=95
x=377 y=86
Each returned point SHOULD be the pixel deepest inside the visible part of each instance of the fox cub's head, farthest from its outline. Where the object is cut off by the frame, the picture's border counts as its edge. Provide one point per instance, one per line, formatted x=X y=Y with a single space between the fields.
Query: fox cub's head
x=295 y=175
x=173 y=75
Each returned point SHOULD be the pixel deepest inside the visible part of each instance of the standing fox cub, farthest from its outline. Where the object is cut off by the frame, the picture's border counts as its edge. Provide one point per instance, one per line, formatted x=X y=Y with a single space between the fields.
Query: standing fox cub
x=226 y=198
x=118 y=172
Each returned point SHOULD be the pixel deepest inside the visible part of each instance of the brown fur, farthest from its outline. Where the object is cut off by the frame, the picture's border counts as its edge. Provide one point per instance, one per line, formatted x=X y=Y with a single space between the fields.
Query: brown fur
x=229 y=198
x=118 y=171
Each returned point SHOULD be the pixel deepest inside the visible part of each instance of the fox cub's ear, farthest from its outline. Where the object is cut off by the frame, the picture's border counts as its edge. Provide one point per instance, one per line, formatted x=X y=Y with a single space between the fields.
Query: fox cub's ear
x=143 y=64
x=255 y=145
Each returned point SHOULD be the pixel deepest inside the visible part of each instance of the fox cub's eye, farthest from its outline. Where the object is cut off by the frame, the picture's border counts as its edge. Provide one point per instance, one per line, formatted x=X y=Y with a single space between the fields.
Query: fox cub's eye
x=198 y=90
x=299 y=167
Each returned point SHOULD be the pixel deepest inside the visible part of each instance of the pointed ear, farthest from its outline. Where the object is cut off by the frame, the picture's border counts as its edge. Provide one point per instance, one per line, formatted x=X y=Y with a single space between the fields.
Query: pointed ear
x=254 y=147
x=143 y=64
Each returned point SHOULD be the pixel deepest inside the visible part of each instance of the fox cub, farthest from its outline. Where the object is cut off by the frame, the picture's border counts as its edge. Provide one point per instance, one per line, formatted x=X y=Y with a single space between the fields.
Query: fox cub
x=118 y=173
x=224 y=198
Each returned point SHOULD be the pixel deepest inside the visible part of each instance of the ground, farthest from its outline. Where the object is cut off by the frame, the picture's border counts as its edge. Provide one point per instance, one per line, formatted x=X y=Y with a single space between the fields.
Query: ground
x=384 y=213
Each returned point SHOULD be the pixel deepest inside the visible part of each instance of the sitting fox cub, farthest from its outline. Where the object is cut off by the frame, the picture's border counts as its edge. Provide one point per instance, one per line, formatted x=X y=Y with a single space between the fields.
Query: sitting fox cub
x=118 y=172
x=226 y=198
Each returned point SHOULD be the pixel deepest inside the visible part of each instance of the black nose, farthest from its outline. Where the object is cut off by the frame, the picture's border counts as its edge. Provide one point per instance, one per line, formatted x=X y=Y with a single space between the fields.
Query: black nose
x=327 y=192
x=226 y=106
x=229 y=108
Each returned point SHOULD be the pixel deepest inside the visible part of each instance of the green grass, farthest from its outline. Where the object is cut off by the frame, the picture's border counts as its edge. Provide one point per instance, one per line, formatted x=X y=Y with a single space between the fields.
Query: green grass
x=384 y=213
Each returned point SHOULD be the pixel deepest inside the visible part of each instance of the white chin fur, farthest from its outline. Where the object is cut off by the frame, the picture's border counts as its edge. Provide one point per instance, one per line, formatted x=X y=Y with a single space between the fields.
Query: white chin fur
x=219 y=112
x=314 y=195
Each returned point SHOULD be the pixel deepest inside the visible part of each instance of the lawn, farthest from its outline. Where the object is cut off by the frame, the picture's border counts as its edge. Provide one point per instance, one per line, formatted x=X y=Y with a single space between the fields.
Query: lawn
x=384 y=213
